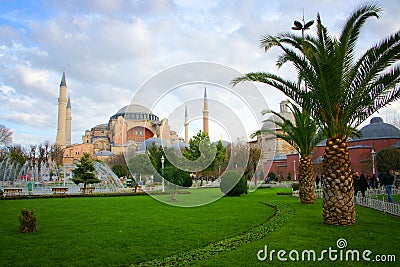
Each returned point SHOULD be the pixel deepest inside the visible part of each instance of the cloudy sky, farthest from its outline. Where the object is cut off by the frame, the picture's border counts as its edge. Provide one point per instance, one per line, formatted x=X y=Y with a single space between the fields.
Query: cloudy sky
x=110 y=49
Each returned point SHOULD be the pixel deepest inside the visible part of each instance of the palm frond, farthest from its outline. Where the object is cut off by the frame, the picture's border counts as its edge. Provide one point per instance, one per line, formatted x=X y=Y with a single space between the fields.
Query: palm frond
x=302 y=133
x=289 y=88
x=351 y=30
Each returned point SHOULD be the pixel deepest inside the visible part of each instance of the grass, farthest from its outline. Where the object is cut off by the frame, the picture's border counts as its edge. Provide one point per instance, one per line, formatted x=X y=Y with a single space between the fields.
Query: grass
x=119 y=231
x=396 y=198
x=128 y=230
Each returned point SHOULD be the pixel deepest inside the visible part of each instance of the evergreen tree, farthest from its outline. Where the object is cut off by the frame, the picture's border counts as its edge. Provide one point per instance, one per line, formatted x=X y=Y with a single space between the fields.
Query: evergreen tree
x=83 y=173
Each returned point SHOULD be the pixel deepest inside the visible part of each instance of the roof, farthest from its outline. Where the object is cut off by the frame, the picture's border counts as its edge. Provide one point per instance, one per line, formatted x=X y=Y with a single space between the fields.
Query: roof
x=104 y=153
x=63 y=82
x=268 y=125
x=377 y=129
x=69 y=103
x=133 y=108
x=136 y=112
x=102 y=126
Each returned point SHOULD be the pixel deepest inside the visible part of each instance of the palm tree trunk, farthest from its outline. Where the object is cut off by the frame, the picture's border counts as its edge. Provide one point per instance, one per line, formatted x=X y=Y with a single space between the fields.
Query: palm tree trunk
x=306 y=181
x=338 y=190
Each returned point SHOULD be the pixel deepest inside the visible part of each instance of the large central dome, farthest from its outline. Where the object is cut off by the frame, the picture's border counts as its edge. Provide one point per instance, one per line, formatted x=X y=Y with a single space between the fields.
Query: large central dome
x=135 y=112
x=133 y=108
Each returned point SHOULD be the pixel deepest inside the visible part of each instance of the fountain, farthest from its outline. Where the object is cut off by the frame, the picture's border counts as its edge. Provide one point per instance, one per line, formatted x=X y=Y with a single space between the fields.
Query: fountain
x=42 y=178
x=106 y=175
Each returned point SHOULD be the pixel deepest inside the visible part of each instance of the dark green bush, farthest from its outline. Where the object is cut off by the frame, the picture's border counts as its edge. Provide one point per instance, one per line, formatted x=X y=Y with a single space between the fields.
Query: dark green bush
x=272 y=176
x=233 y=184
x=295 y=186
x=27 y=221
x=177 y=176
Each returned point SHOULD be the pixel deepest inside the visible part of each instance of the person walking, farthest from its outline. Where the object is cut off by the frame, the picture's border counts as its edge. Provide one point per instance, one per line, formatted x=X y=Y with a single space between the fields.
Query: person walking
x=387 y=180
x=356 y=182
x=363 y=184
x=317 y=180
x=374 y=181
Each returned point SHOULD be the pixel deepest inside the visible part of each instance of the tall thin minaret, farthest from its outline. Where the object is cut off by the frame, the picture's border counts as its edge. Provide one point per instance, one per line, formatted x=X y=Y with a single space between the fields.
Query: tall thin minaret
x=68 y=123
x=62 y=114
x=205 y=112
x=186 y=126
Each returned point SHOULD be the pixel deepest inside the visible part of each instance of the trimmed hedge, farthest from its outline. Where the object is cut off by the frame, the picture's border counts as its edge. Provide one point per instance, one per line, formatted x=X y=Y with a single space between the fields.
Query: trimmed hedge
x=233 y=184
x=284 y=193
x=281 y=216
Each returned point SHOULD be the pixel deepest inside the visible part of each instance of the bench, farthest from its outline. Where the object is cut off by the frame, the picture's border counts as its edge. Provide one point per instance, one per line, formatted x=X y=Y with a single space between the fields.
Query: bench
x=59 y=190
x=12 y=192
x=87 y=190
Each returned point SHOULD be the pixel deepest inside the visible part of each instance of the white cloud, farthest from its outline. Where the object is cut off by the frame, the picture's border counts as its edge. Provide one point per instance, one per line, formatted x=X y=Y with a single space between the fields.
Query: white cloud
x=110 y=48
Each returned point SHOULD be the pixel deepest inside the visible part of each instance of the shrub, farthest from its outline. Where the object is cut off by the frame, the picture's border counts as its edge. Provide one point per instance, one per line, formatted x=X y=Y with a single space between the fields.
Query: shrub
x=233 y=184
x=27 y=221
x=272 y=176
x=177 y=176
x=295 y=186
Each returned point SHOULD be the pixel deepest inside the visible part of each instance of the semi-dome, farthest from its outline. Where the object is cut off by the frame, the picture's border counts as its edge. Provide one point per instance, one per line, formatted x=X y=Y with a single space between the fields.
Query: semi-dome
x=378 y=129
x=148 y=143
x=284 y=112
x=101 y=127
x=269 y=125
x=180 y=145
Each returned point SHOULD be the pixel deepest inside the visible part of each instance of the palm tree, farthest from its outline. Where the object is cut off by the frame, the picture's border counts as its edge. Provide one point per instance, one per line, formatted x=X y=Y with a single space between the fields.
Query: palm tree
x=343 y=92
x=303 y=135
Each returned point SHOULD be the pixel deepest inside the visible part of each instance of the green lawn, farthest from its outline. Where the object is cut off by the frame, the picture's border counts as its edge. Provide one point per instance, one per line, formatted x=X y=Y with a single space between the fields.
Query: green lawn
x=121 y=231
x=396 y=198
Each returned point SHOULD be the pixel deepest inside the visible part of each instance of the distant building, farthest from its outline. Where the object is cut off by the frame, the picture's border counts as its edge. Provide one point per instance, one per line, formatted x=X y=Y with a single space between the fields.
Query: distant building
x=74 y=152
x=129 y=128
x=63 y=138
x=376 y=136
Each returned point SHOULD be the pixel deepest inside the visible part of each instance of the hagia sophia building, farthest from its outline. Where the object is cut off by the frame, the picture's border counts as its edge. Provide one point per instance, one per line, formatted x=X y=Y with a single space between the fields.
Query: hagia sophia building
x=129 y=127
x=135 y=125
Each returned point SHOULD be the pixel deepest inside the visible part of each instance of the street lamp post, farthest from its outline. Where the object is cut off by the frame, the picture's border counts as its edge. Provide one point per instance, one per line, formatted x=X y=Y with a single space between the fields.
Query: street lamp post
x=373 y=153
x=298 y=26
x=294 y=169
x=162 y=167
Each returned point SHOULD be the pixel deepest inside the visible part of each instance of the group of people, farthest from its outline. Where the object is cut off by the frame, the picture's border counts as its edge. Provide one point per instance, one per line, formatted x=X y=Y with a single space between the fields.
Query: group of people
x=385 y=179
x=362 y=182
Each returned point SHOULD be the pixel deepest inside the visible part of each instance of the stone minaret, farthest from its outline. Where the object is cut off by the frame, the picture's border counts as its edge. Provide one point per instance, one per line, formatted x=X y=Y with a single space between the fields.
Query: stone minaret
x=62 y=114
x=186 y=126
x=68 y=124
x=205 y=112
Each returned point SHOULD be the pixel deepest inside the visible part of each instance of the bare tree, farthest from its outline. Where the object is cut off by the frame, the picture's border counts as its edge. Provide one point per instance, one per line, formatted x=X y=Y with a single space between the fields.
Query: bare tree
x=56 y=154
x=5 y=135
